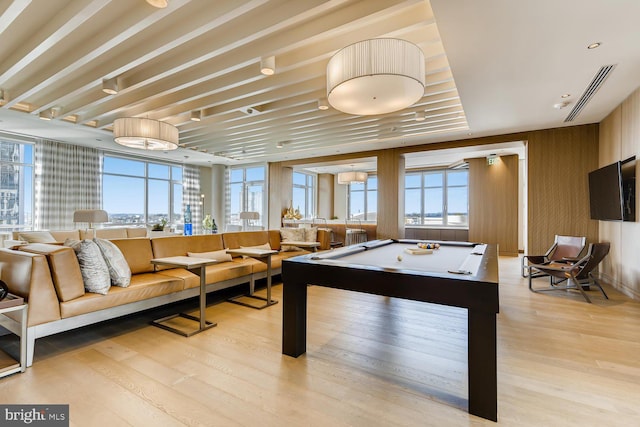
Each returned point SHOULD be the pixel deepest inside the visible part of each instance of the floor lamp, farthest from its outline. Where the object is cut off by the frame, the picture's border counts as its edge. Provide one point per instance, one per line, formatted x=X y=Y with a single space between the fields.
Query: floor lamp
x=247 y=217
x=90 y=216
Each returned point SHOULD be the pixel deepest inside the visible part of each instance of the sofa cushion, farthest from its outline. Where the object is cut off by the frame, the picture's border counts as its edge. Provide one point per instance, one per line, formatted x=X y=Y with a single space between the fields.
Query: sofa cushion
x=95 y=273
x=64 y=269
x=111 y=233
x=217 y=255
x=143 y=286
x=137 y=252
x=244 y=238
x=136 y=232
x=63 y=235
x=36 y=237
x=119 y=270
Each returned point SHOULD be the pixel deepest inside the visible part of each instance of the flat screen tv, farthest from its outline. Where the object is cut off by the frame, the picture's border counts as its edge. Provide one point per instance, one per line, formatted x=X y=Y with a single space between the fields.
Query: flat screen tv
x=612 y=192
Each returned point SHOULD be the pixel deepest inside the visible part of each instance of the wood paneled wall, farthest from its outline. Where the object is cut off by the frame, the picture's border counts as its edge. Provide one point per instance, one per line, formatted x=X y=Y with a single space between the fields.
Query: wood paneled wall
x=325 y=195
x=493 y=203
x=619 y=140
x=390 y=194
x=559 y=161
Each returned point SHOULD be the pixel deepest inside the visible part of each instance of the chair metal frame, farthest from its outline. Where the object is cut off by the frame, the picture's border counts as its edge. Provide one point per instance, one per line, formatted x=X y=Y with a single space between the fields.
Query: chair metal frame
x=563 y=247
x=578 y=273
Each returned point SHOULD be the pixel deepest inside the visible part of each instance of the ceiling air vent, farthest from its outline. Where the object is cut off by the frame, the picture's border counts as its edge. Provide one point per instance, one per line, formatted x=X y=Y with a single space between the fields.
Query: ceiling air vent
x=593 y=87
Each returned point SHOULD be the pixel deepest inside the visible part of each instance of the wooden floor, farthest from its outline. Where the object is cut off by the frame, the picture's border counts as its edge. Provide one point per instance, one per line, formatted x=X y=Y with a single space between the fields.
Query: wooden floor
x=371 y=361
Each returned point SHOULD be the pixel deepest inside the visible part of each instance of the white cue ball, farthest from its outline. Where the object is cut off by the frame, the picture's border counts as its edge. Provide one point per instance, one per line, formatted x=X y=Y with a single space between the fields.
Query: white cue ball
x=399 y=257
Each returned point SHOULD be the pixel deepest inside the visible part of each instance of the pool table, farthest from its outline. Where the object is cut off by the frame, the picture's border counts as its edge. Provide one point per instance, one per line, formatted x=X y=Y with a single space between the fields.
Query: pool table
x=457 y=274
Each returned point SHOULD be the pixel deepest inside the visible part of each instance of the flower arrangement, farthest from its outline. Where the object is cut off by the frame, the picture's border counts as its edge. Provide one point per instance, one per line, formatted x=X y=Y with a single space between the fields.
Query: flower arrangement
x=209 y=224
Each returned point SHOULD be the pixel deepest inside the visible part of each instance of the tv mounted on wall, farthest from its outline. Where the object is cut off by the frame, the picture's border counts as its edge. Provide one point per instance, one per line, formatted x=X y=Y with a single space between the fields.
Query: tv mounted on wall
x=612 y=192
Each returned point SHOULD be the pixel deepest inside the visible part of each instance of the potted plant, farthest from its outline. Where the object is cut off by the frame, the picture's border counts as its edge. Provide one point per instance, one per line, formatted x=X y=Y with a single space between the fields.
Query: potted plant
x=159 y=226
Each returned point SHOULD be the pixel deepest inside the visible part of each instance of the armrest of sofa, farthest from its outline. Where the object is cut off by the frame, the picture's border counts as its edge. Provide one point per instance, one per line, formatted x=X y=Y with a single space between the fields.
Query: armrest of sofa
x=324 y=238
x=27 y=275
x=12 y=243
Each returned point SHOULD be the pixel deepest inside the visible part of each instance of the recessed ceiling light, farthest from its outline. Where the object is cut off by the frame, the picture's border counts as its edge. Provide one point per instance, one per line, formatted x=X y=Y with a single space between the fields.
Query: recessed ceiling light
x=279 y=145
x=566 y=95
x=419 y=116
x=594 y=45
x=560 y=105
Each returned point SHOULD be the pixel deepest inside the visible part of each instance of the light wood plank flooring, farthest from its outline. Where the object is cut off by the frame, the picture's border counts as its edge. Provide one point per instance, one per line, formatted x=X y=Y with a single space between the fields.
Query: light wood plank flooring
x=371 y=361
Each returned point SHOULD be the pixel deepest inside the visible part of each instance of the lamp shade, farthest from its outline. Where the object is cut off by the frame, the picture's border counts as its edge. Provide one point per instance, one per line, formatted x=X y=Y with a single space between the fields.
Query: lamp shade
x=90 y=215
x=376 y=76
x=249 y=215
x=352 y=177
x=145 y=134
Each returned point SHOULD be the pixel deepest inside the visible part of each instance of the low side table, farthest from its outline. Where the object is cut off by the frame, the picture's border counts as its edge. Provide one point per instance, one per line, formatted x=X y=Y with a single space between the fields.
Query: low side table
x=198 y=266
x=8 y=365
x=262 y=255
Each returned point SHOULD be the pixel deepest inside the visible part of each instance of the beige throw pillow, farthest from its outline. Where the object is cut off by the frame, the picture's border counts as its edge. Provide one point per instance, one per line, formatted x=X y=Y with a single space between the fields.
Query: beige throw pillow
x=291 y=235
x=119 y=270
x=36 y=237
x=310 y=234
x=221 y=255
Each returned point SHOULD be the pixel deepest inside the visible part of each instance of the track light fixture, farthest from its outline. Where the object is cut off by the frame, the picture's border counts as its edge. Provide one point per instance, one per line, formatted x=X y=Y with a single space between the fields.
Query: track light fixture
x=323 y=104
x=268 y=65
x=110 y=86
x=196 y=115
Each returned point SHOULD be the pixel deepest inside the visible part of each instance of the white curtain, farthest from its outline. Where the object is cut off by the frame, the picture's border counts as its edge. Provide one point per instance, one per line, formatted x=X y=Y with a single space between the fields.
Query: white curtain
x=191 y=195
x=67 y=178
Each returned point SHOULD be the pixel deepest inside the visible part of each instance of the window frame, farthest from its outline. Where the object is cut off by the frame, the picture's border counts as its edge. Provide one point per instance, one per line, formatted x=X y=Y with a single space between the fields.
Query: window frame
x=369 y=215
x=244 y=200
x=445 y=197
x=21 y=165
x=172 y=217
x=310 y=193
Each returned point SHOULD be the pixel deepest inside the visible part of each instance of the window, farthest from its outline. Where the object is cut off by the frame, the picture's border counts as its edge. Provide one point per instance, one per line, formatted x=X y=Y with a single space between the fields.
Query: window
x=16 y=185
x=363 y=200
x=303 y=197
x=246 y=193
x=139 y=192
x=437 y=198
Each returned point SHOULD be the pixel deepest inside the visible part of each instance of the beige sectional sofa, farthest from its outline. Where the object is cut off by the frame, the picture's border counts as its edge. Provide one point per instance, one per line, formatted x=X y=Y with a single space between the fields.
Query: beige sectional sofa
x=23 y=237
x=49 y=278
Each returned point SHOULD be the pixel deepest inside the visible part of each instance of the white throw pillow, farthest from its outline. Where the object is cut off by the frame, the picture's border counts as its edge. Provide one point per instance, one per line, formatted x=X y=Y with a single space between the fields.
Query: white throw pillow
x=119 y=270
x=37 y=237
x=221 y=255
x=95 y=273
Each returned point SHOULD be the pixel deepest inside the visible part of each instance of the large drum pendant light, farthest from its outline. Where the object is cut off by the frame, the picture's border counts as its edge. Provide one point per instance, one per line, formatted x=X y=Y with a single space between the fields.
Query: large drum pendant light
x=376 y=76
x=145 y=134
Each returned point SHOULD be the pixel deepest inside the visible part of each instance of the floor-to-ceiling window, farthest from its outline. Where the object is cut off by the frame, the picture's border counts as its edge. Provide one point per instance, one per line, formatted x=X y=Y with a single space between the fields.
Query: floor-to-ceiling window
x=363 y=200
x=304 y=194
x=437 y=198
x=246 y=194
x=141 y=192
x=16 y=185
